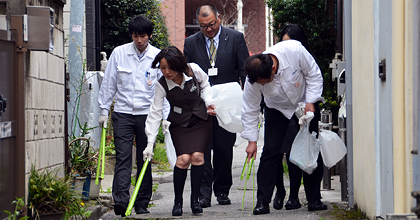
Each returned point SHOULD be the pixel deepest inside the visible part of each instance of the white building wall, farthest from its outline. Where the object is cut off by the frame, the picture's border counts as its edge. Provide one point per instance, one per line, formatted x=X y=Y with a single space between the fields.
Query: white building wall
x=363 y=105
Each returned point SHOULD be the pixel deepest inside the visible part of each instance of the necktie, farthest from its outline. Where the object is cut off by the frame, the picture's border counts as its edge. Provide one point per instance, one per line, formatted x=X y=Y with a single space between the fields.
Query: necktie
x=212 y=51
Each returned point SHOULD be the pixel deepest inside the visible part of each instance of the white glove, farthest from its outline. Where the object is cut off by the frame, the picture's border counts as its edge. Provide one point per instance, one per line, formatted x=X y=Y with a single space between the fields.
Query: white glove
x=148 y=152
x=103 y=121
x=165 y=126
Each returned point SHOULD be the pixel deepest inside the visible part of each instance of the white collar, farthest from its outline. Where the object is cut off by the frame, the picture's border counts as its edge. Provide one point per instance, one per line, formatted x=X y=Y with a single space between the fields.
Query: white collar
x=171 y=84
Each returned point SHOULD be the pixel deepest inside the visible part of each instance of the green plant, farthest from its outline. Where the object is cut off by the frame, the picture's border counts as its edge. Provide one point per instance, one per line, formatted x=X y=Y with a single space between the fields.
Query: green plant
x=110 y=148
x=352 y=214
x=160 y=158
x=160 y=138
x=83 y=158
x=49 y=193
x=119 y=14
x=155 y=187
x=19 y=204
x=108 y=190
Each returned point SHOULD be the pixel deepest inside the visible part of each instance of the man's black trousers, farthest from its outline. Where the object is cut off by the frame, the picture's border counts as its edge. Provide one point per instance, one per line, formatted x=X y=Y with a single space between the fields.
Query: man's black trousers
x=220 y=174
x=126 y=127
x=270 y=169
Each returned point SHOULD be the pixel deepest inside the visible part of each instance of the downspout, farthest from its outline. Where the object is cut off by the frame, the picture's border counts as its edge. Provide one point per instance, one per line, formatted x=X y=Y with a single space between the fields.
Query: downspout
x=398 y=114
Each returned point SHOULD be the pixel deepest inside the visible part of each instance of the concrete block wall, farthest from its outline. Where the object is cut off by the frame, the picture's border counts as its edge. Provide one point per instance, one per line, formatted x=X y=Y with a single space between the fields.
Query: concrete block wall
x=45 y=100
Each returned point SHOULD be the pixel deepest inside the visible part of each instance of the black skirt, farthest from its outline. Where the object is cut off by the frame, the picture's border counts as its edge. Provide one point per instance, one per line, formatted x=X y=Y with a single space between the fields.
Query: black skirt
x=193 y=138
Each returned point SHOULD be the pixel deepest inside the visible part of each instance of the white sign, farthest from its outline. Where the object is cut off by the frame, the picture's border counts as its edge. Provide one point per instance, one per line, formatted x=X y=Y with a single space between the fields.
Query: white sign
x=77 y=28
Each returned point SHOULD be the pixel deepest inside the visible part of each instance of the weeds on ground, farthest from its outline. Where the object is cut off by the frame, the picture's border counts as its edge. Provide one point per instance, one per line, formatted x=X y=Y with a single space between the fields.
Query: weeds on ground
x=108 y=190
x=155 y=187
x=353 y=214
x=160 y=159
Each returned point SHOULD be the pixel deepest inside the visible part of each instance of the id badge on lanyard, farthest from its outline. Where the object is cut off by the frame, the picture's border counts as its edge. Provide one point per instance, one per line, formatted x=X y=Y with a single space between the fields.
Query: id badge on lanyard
x=212 y=71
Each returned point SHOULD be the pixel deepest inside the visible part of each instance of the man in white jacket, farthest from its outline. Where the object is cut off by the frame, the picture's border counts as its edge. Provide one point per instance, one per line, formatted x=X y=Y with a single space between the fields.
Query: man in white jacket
x=131 y=82
x=285 y=74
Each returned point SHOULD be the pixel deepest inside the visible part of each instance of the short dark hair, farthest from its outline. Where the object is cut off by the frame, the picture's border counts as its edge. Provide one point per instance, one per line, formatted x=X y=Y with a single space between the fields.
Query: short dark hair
x=176 y=60
x=258 y=66
x=211 y=7
x=140 y=25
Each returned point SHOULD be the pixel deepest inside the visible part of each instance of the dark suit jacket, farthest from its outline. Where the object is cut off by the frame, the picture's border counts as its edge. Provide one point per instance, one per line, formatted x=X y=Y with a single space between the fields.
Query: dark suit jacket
x=231 y=55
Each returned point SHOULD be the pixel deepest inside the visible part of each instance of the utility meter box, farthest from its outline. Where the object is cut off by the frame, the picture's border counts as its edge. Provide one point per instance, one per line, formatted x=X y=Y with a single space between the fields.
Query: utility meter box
x=39 y=28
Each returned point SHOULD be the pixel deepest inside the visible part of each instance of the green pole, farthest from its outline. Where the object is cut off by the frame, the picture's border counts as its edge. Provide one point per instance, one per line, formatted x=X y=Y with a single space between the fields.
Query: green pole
x=103 y=140
x=101 y=155
x=137 y=188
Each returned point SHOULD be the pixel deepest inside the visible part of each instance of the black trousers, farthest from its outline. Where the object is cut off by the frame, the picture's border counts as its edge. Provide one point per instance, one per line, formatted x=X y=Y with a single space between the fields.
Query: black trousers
x=220 y=174
x=126 y=127
x=270 y=171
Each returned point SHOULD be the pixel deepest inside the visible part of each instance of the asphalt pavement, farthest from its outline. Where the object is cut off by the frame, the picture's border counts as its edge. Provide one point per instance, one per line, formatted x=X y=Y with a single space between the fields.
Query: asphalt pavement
x=163 y=198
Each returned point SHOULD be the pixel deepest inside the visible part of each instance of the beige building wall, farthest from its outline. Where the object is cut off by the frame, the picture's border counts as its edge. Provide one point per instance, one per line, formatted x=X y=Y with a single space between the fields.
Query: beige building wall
x=363 y=105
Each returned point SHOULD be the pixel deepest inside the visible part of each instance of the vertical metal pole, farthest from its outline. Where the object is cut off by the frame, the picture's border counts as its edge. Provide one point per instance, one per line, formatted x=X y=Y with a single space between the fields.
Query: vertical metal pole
x=343 y=162
x=326 y=124
x=349 y=97
x=77 y=9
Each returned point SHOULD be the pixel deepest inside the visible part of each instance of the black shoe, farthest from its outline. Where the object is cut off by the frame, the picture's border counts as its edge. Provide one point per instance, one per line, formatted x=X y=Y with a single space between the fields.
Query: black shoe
x=292 y=204
x=205 y=202
x=196 y=208
x=177 y=210
x=223 y=199
x=316 y=206
x=261 y=208
x=120 y=209
x=278 y=202
x=140 y=209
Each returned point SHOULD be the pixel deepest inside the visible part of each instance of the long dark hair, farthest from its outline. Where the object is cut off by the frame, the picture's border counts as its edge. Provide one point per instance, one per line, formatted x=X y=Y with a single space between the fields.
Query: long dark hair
x=295 y=32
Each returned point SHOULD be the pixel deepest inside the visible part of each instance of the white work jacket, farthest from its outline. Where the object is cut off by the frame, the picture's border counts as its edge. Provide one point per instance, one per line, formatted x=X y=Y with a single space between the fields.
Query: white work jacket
x=298 y=79
x=130 y=81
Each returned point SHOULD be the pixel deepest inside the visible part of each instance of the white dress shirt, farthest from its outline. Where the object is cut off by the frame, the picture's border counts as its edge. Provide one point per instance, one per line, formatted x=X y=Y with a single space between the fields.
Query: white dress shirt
x=130 y=81
x=155 y=115
x=298 y=79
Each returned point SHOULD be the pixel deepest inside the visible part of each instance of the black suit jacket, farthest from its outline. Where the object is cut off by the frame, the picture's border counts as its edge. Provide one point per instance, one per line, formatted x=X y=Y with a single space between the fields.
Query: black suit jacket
x=231 y=55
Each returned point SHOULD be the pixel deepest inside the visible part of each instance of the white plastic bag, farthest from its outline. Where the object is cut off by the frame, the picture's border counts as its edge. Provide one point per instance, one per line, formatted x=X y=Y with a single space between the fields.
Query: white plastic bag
x=227 y=98
x=305 y=147
x=170 y=149
x=333 y=148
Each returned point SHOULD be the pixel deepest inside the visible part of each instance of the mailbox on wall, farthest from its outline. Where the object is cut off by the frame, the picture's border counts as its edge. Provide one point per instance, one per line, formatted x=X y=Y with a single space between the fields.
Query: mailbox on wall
x=40 y=28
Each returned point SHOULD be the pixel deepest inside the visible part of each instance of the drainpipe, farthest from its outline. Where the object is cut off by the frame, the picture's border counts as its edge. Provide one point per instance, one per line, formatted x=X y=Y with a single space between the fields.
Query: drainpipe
x=398 y=115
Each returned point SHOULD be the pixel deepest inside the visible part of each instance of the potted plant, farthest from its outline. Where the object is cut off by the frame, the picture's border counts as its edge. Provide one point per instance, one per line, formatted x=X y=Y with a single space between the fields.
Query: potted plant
x=53 y=197
x=83 y=160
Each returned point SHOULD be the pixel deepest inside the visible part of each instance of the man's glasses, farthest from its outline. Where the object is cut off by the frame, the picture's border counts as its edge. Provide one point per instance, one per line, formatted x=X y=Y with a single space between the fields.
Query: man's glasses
x=211 y=25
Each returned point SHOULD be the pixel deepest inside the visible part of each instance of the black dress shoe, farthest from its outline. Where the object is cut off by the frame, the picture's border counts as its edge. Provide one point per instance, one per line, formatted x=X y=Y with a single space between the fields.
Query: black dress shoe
x=196 y=208
x=223 y=199
x=140 y=209
x=316 y=206
x=278 y=202
x=261 y=208
x=120 y=209
x=292 y=204
x=177 y=210
x=205 y=202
